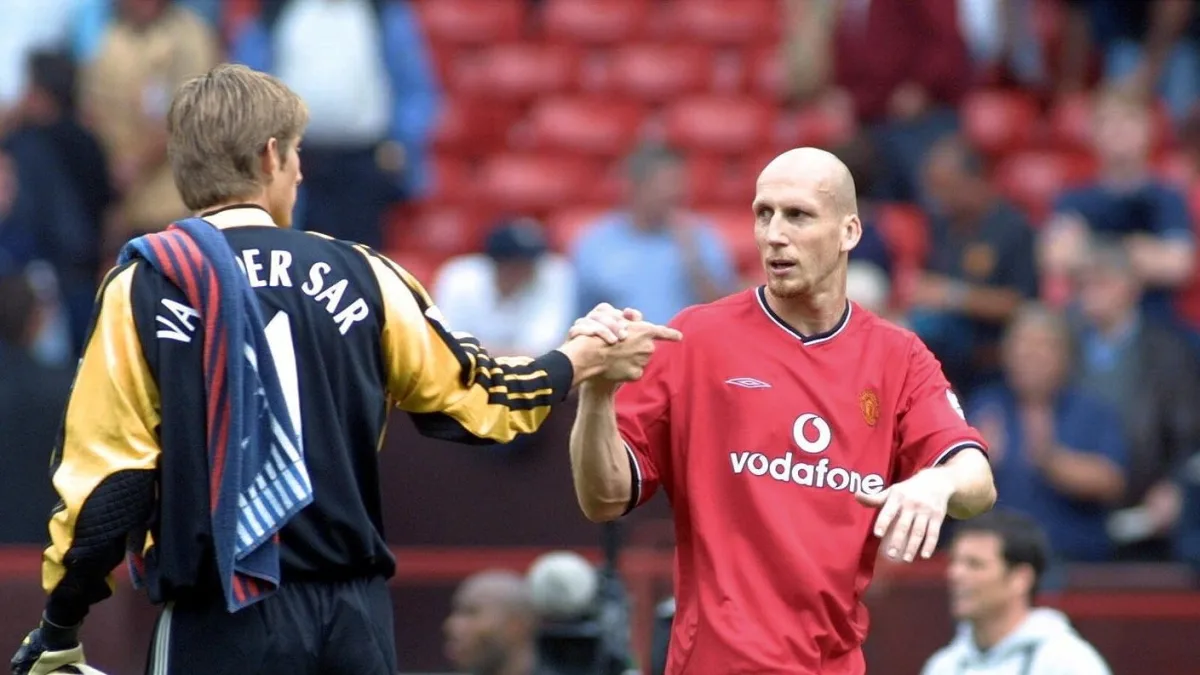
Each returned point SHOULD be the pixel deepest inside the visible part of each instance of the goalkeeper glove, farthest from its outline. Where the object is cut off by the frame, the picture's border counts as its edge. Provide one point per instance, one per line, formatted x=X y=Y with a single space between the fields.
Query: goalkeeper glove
x=50 y=649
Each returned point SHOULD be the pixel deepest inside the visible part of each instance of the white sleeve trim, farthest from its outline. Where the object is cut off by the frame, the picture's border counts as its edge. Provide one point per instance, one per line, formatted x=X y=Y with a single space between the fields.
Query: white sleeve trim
x=955 y=448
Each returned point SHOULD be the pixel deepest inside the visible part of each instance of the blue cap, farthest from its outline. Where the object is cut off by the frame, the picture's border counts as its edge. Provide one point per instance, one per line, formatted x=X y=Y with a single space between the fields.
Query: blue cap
x=521 y=239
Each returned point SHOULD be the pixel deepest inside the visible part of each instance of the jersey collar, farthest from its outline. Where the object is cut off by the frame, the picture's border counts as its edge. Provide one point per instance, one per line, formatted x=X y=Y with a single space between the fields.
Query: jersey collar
x=814 y=339
x=239 y=215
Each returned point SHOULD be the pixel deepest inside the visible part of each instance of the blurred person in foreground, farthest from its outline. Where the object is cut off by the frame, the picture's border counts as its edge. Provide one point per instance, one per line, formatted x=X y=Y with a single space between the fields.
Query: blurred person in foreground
x=792 y=404
x=225 y=420
x=1147 y=373
x=980 y=266
x=996 y=565
x=1059 y=453
x=653 y=254
x=516 y=296
x=492 y=626
x=1127 y=202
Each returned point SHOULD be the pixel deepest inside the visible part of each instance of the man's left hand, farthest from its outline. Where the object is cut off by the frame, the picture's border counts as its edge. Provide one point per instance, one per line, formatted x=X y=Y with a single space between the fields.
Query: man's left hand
x=913 y=511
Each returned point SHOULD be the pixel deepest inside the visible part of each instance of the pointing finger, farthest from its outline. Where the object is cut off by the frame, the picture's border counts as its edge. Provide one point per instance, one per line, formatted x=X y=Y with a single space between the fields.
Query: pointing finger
x=668 y=334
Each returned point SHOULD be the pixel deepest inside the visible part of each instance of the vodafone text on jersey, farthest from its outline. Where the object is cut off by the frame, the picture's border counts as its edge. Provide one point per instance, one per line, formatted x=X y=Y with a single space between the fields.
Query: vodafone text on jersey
x=812 y=436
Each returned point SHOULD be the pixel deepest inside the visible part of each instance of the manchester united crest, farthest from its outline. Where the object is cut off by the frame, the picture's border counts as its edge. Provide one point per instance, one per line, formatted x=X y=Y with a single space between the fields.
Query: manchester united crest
x=868 y=402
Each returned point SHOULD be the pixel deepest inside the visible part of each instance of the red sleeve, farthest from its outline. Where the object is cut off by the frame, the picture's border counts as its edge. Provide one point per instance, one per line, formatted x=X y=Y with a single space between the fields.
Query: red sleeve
x=945 y=69
x=644 y=422
x=931 y=427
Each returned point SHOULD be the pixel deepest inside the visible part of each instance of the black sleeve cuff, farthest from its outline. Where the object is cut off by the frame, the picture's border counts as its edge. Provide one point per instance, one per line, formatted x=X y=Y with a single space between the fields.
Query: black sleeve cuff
x=635 y=483
x=64 y=613
x=559 y=371
x=957 y=448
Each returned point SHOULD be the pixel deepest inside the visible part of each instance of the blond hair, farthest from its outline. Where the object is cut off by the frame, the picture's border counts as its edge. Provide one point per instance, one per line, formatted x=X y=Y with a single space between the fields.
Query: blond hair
x=219 y=124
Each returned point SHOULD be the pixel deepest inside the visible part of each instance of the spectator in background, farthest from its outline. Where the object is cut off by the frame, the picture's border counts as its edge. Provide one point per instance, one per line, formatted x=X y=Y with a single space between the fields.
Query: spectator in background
x=1128 y=202
x=364 y=70
x=516 y=296
x=1058 y=454
x=92 y=17
x=869 y=273
x=32 y=397
x=903 y=65
x=42 y=229
x=150 y=49
x=492 y=626
x=653 y=254
x=996 y=565
x=861 y=159
x=1149 y=46
x=980 y=267
x=48 y=133
x=1001 y=41
x=1148 y=374
x=28 y=25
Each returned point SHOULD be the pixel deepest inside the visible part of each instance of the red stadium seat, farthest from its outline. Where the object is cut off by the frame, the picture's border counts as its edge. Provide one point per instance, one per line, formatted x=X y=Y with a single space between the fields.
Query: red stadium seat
x=1177 y=168
x=720 y=124
x=766 y=72
x=422 y=266
x=600 y=127
x=736 y=226
x=723 y=22
x=998 y=121
x=594 y=22
x=564 y=226
x=661 y=72
x=905 y=230
x=533 y=184
x=451 y=178
x=475 y=22
x=516 y=71
x=435 y=229
x=819 y=124
x=473 y=127
x=1032 y=179
x=715 y=179
x=1071 y=122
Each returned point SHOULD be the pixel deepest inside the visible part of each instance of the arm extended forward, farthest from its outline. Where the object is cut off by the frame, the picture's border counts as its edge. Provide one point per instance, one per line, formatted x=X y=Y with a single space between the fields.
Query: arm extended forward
x=599 y=461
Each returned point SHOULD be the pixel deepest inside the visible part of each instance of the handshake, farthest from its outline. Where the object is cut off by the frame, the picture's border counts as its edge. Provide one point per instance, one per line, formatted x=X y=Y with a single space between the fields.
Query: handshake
x=611 y=346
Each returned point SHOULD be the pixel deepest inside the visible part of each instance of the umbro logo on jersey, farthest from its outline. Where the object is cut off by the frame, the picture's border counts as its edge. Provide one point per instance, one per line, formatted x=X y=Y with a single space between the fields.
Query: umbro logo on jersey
x=748 y=383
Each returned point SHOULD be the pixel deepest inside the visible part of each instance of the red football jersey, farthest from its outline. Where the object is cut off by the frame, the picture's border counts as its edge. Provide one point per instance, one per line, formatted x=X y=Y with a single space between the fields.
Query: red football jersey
x=759 y=436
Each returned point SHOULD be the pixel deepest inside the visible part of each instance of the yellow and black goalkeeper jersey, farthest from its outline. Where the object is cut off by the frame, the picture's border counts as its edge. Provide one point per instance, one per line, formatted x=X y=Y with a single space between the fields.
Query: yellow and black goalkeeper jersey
x=352 y=334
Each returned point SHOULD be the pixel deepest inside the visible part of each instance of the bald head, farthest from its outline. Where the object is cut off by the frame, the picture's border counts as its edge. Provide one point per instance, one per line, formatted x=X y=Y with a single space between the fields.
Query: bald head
x=502 y=589
x=828 y=175
x=491 y=624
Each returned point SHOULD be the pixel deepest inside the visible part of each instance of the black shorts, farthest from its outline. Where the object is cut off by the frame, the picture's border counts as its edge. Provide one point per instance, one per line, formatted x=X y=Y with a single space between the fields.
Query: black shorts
x=303 y=629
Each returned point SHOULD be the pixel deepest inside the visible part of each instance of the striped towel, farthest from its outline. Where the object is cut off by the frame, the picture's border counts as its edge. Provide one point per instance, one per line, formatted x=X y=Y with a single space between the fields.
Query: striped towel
x=257 y=476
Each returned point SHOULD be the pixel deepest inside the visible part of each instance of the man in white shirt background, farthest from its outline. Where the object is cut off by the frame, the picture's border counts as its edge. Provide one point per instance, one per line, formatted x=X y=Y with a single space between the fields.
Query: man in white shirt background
x=996 y=562
x=517 y=297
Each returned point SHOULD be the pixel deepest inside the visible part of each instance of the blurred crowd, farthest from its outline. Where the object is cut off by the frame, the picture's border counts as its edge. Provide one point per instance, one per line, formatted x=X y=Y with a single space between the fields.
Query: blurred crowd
x=1028 y=174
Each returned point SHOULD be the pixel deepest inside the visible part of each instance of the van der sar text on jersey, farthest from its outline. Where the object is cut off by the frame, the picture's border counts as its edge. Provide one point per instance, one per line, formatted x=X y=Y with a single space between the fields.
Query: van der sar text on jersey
x=274 y=270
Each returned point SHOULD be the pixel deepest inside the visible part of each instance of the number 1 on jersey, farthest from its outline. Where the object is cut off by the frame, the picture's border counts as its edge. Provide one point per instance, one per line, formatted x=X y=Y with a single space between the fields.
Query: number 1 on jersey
x=283 y=351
